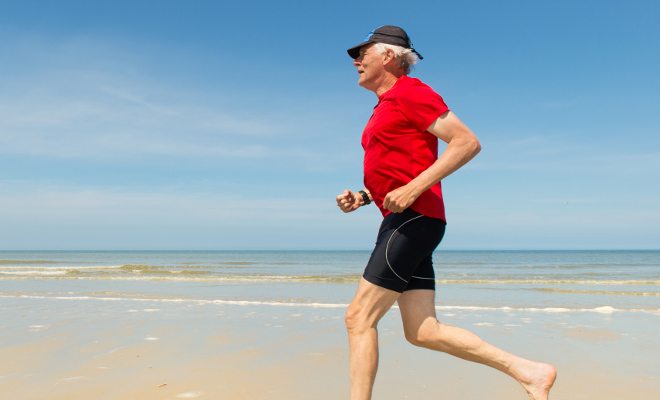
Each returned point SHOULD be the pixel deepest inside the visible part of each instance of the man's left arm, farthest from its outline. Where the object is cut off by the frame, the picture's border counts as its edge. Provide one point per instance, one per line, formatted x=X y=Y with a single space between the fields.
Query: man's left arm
x=462 y=146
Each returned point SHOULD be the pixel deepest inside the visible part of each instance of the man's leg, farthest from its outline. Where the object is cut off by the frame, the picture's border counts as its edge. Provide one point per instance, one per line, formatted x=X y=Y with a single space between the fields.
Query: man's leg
x=423 y=329
x=369 y=305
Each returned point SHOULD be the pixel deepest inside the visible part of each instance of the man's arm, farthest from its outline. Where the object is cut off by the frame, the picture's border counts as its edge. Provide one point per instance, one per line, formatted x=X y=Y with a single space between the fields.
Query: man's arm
x=462 y=146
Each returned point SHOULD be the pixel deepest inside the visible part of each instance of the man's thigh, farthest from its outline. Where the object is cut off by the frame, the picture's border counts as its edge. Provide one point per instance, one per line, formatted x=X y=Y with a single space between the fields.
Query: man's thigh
x=417 y=307
x=371 y=302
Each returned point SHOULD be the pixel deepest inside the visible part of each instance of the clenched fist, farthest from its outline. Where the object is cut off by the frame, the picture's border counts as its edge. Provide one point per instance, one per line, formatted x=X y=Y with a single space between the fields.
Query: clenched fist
x=349 y=201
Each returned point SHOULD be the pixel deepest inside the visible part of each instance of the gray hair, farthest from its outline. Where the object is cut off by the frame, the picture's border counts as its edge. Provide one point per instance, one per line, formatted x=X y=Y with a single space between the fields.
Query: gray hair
x=406 y=57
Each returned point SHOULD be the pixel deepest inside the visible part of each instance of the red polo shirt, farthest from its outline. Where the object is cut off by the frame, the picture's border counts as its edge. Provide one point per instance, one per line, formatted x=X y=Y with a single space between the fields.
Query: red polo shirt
x=397 y=147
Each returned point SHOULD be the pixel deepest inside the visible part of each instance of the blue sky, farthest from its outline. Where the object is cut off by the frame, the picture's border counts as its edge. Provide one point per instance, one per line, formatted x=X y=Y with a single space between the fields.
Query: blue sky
x=233 y=125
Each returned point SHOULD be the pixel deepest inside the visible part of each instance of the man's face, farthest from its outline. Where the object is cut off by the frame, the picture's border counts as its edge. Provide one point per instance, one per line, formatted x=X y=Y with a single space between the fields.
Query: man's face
x=369 y=65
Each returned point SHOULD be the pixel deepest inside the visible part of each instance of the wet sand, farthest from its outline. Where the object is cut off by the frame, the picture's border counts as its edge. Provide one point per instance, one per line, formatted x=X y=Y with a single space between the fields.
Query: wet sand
x=120 y=350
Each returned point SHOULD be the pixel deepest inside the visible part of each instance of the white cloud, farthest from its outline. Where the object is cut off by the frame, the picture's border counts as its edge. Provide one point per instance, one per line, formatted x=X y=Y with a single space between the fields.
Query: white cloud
x=94 y=125
x=74 y=217
x=81 y=106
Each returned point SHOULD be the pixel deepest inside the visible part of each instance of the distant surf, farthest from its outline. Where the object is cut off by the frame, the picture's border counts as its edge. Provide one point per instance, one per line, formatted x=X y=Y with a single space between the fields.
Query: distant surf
x=553 y=310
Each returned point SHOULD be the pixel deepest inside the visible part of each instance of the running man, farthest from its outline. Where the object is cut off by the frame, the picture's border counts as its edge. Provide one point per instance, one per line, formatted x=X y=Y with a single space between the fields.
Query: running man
x=402 y=174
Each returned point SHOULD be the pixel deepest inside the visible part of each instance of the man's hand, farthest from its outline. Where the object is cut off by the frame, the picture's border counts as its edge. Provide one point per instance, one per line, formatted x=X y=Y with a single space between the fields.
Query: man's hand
x=462 y=146
x=349 y=201
x=399 y=199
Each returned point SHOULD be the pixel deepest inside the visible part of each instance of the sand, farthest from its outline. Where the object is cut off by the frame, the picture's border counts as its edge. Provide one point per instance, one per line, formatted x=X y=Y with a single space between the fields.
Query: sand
x=97 y=350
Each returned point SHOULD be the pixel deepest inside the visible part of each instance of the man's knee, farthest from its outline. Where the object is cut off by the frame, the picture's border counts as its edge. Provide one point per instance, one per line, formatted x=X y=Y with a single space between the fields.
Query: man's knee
x=425 y=335
x=368 y=306
x=351 y=318
x=355 y=320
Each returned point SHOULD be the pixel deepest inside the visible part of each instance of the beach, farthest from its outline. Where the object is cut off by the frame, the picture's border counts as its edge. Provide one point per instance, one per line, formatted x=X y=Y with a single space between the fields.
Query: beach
x=269 y=325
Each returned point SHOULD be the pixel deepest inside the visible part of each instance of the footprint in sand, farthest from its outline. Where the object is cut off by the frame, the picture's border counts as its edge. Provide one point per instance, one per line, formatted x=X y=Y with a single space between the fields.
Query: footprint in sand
x=189 y=395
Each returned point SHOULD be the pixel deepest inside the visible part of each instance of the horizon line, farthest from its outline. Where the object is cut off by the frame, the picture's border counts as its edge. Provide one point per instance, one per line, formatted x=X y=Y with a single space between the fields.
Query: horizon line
x=328 y=250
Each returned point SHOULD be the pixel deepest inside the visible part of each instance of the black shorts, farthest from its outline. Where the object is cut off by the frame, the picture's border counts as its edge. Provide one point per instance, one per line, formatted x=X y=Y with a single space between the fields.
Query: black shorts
x=403 y=257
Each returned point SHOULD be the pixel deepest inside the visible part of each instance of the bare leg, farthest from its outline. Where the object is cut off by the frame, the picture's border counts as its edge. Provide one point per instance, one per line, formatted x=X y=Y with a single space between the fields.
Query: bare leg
x=367 y=308
x=423 y=329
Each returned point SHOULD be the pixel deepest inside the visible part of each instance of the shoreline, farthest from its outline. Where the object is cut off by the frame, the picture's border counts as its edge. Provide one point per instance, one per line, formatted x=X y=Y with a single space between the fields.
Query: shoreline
x=155 y=350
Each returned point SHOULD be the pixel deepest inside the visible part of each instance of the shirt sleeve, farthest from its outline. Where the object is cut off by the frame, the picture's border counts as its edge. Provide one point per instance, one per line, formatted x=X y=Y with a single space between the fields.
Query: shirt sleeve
x=421 y=105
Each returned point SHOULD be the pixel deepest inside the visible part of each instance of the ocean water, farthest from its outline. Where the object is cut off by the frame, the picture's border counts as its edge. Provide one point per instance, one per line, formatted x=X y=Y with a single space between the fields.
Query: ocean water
x=587 y=312
x=601 y=282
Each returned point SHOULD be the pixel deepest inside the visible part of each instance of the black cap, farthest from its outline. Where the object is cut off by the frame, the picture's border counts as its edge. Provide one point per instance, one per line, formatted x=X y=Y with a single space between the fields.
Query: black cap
x=389 y=34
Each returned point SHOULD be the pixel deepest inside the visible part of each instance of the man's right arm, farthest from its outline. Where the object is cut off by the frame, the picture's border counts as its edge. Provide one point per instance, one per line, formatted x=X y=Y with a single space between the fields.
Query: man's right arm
x=350 y=201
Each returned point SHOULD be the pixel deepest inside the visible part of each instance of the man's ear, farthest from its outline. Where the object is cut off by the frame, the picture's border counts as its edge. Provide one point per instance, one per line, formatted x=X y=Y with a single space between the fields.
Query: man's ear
x=389 y=55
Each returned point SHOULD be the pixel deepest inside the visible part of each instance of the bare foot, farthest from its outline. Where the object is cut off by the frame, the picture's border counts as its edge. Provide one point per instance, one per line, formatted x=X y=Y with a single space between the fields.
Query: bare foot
x=539 y=381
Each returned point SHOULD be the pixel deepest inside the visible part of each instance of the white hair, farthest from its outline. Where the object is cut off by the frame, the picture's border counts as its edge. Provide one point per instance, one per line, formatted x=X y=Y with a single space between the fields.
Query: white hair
x=406 y=57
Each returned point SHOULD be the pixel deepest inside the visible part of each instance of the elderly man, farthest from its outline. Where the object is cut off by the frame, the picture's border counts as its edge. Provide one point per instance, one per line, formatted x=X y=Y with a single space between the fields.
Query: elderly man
x=402 y=174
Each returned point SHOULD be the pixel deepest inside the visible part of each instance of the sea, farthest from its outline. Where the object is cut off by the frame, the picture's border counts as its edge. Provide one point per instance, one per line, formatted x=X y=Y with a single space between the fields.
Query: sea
x=76 y=322
x=601 y=282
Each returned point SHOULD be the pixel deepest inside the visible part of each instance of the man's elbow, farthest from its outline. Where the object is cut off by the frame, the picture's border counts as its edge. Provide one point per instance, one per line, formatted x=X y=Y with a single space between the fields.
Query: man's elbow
x=474 y=146
x=477 y=146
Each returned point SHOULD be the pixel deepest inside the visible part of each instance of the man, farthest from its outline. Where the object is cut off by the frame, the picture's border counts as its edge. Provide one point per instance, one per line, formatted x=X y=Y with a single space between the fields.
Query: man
x=402 y=175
